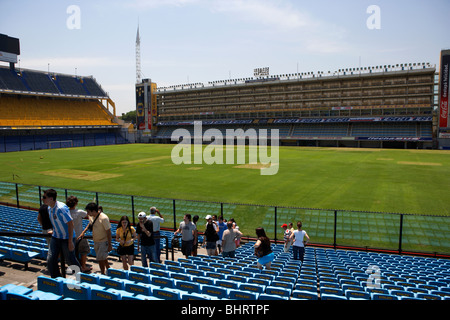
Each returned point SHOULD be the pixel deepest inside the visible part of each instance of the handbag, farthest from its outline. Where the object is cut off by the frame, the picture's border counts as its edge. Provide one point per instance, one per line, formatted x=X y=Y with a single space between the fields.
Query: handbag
x=258 y=252
x=120 y=247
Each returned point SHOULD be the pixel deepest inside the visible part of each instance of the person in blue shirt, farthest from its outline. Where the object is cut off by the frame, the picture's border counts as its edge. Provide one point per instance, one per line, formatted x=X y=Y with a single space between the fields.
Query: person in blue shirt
x=63 y=235
x=222 y=227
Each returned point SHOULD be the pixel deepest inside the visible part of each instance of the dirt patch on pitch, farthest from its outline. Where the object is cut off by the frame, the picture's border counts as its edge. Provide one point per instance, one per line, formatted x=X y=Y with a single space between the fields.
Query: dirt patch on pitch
x=420 y=163
x=80 y=174
x=145 y=160
x=253 y=166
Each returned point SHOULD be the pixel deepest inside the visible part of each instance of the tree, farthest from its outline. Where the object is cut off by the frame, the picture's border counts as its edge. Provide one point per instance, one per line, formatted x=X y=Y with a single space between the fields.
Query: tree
x=129 y=116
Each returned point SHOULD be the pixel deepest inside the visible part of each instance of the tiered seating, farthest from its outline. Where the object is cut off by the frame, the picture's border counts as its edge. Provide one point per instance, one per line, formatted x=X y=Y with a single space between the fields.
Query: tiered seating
x=384 y=130
x=52 y=112
x=322 y=130
x=42 y=82
x=325 y=274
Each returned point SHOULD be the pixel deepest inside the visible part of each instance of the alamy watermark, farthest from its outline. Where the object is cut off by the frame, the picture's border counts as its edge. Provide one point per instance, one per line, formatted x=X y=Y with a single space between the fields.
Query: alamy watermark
x=373 y=281
x=74 y=19
x=258 y=148
x=374 y=20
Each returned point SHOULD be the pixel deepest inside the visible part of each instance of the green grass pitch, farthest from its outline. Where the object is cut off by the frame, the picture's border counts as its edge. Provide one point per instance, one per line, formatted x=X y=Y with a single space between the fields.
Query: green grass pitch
x=415 y=182
x=382 y=180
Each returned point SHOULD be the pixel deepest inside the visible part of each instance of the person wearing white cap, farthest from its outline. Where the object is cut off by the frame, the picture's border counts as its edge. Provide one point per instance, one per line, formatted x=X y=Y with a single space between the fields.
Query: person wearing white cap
x=156 y=230
x=146 y=241
x=211 y=234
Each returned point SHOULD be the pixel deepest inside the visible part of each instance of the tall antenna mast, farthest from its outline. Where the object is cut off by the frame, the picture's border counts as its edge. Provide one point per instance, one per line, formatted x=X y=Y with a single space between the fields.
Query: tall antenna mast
x=138 y=56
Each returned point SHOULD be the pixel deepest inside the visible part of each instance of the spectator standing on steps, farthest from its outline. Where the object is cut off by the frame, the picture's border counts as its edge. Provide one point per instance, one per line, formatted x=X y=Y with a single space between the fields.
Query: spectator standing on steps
x=156 y=218
x=63 y=235
x=228 y=242
x=263 y=249
x=125 y=235
x=188 y=232
x=44 y=221
x=211 y=235
x=299 y=244
x=101 y=234
x=146 y=242
x=82 y=248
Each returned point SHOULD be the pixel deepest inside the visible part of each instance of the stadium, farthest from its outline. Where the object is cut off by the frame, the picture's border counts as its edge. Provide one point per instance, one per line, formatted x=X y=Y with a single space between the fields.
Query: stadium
x=54 y=126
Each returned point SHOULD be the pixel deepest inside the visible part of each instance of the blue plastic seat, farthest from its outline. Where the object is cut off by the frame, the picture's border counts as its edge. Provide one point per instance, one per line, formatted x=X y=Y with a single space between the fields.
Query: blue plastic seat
x=195 y=272
x=156 y=265
x=242 y=295
x=203 y=280
x=252 y=287
x=138 y=269
x=140 y=297
x=23 y=256
x=305 y=294
x=327 y=284
x=329 y=296
x=104 y=294
x=357 y=295
x=9 y=290
x=428 y=296
x=159 y=272
x=227 y=284
x=382 y=296
x=233 y=277
x=117 y=273
x=42 y=295
x=140 y=288
x=307 y=282
x=190 y=287
x=331 y=291
x=352 y=287
x=195 y=296
x=215 y=275
x=442 y=294
x=139 y=277
x=114 y=283
x=271 y=290
x=89 y=278
x=402 y=293
x=219 y=292
x=77 y=291
x=120 y=293
x=180 y=276
x=392 y=287
x=163 y=282
x=166 y=294
x=52 y=285
x=262 y=282
x=266 y=296
x=6 y=252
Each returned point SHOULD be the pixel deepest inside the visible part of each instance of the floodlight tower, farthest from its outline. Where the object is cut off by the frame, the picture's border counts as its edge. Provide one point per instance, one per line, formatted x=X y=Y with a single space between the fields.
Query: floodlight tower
x=138 y=57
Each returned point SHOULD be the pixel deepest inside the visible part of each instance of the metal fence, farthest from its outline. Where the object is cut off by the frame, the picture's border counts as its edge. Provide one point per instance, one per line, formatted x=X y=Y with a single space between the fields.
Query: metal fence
x=360 y=229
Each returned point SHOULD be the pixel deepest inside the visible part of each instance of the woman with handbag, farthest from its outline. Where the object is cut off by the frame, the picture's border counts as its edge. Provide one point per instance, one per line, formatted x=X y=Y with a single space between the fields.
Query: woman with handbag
x=125 y=235
x=263 y=251
x=211 y=234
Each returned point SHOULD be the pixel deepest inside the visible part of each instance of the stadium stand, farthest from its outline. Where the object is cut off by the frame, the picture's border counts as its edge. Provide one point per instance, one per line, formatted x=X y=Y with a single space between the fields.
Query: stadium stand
x=325 y=274
x=32 y=81
x=388 y=107
x=41 y=110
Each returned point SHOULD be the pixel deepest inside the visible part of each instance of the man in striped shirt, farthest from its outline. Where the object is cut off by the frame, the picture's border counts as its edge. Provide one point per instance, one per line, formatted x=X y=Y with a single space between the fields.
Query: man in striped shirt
x=63 y=234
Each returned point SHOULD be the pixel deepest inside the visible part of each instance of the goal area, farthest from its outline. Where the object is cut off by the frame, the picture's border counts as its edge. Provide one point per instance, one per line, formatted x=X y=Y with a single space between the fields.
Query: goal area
x=60 y=144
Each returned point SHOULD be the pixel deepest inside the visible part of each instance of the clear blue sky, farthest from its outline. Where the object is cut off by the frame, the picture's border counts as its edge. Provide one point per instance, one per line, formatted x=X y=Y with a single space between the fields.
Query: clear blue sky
x=207 y=40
